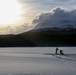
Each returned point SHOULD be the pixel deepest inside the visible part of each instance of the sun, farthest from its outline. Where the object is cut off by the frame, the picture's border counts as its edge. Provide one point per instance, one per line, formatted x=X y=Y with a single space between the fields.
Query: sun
x=9 y=12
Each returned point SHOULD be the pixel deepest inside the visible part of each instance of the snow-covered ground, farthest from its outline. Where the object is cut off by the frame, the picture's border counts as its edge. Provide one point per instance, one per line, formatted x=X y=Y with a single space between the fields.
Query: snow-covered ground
x=37 y=61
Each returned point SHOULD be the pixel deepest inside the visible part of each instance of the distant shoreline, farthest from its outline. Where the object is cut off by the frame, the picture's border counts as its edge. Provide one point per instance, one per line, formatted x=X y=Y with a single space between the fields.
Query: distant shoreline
x=46 y=38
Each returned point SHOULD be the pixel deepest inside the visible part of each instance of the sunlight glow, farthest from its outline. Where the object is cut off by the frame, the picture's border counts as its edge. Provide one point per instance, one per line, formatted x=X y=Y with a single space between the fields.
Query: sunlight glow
x=9 y=12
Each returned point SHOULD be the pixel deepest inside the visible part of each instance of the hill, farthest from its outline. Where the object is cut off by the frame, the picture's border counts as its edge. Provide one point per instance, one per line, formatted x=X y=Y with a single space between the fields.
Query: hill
x=40 y=38
x=52 y=37
x=15 y=41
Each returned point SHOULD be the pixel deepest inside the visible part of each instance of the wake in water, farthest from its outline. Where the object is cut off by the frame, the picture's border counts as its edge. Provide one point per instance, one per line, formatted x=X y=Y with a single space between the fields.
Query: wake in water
x=71 y=57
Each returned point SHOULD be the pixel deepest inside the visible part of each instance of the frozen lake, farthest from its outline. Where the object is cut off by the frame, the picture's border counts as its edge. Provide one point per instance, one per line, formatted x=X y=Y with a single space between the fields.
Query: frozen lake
x=37 y=61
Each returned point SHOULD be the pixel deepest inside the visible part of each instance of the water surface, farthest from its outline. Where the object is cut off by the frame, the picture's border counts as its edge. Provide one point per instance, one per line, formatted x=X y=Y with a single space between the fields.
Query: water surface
x=37 y=61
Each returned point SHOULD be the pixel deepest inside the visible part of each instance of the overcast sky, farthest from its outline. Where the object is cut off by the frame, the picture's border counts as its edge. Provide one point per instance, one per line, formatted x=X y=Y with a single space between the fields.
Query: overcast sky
x=32 y=8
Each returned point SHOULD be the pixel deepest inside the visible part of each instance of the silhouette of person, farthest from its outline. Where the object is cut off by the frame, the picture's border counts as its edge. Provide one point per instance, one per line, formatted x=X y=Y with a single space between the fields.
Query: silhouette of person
x=56 y=51
x=61 y=52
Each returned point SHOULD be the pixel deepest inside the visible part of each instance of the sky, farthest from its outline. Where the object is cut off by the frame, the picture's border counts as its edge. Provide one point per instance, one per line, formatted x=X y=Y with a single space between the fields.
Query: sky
x=34 y=7
x=31 y=9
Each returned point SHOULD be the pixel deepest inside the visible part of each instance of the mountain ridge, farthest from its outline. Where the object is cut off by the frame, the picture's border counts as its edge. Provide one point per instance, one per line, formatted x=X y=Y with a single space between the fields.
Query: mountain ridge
x=42 y=38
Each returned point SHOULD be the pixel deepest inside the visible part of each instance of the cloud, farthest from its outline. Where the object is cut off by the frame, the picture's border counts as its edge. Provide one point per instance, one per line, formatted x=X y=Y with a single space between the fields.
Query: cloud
x=31 y=8
x=16 y=29
x=56 y=18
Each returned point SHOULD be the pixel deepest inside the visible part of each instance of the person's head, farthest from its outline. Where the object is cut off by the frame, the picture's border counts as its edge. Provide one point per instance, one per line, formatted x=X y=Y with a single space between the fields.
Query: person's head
x=61 y=50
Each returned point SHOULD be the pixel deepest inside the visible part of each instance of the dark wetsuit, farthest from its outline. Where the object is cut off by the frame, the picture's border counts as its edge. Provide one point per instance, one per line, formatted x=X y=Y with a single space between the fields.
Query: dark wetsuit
x=56 y=51
x=61 y=52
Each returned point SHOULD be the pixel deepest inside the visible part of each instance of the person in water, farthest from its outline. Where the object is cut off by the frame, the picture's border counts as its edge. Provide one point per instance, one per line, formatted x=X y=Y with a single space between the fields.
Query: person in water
x=61 y=52
x=56 y=51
